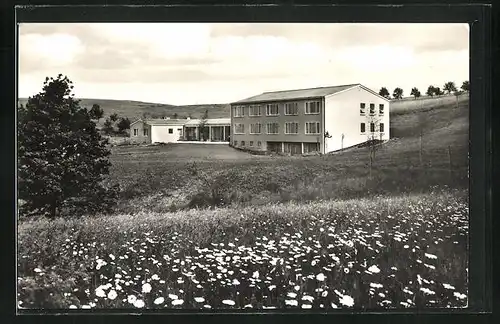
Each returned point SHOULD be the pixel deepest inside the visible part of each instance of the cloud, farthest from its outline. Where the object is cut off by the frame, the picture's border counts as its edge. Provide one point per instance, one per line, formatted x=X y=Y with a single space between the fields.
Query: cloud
x=190 y=63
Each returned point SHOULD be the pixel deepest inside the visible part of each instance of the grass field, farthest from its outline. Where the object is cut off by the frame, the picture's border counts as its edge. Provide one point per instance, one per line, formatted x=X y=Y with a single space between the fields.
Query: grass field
x=295 y=232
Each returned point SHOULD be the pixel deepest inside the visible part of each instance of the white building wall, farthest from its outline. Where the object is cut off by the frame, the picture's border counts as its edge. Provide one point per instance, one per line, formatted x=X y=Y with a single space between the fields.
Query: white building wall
x=160 y=133
x=342 y=116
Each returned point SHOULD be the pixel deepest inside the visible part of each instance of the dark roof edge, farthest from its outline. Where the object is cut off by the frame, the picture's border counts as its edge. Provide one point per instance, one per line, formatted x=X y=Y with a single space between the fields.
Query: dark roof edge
x=276 y=100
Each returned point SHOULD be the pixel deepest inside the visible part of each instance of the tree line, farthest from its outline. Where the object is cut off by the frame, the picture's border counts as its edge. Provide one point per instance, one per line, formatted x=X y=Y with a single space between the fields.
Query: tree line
x=448 y=87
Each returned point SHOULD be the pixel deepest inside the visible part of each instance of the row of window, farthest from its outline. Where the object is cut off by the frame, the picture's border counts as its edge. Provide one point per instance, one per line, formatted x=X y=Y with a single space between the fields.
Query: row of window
x=372 y=127
x=259 y=143
x=291 y=109
x=362 y=109
x=274 y=128
x=145 y=131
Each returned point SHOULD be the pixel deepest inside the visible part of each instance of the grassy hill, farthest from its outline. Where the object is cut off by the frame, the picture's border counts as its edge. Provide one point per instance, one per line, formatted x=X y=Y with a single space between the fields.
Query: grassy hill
x=135 y=109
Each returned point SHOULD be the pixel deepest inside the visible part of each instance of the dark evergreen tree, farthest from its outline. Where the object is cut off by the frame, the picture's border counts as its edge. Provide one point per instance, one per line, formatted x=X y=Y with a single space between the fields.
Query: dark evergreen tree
x=96 y=112
x=123 y=125
x=62 y=159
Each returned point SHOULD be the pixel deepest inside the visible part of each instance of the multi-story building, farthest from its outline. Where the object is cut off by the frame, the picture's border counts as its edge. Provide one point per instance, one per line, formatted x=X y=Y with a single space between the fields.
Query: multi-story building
x=310 y=120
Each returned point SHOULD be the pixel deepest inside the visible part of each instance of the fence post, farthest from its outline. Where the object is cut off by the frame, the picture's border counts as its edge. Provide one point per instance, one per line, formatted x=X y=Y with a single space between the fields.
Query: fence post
x=450 y=161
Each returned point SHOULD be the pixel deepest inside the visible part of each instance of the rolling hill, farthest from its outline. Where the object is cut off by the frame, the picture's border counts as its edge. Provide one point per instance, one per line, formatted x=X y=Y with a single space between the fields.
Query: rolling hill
x=135 y=109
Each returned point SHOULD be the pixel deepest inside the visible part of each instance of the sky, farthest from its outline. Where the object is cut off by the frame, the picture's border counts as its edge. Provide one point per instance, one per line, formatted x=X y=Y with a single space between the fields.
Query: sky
x=206 y=63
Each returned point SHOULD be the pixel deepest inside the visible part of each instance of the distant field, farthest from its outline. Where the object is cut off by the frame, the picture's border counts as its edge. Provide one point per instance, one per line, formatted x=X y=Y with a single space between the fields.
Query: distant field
x=295 y=232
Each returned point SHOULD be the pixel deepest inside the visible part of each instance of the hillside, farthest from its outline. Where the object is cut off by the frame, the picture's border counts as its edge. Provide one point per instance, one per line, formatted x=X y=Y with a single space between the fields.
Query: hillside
x=135 y=109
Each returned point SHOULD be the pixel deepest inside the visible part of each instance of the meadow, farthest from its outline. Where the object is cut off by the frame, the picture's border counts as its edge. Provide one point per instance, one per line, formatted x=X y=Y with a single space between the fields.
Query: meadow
x=318 y=232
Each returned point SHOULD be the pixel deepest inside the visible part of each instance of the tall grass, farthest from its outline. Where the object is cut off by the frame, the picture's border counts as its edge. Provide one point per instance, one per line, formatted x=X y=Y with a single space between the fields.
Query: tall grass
x=254 y=256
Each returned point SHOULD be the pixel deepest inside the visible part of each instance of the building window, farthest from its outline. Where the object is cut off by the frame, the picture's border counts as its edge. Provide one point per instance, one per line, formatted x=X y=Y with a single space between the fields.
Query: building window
x=255 y=128
x=145 y=131
x=363 y=127
x=311 y=147
x=272 y=110
x=381 y=109
x=312 y=108
x=242 y=143
x=362 y=109
x=239 y=111
x=291 y=128
x=312 y=128
x=135 y=131
x=254 y=110
x=251 y=143
x=170 y=130
x=372 y=109
x=235 y=143
x=381 y=126
x=259 y=143
x=372 y=127
x=291 y=109
x=272 y=128
x=239 y=128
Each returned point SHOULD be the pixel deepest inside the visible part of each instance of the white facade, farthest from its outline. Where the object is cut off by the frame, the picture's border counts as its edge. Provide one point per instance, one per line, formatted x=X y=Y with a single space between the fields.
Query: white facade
x=165 y=133
x=343 y=117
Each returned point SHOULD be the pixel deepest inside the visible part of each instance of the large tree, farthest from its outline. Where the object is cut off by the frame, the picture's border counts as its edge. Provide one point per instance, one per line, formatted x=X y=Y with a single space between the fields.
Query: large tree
x=96 y=112
x=62 y=158
x=204 y=130
x=415 y=92
x=465 y=86
x=384 y=92
x=450 y=87
x=431 y=90
x=398 y=93
x=123 y=125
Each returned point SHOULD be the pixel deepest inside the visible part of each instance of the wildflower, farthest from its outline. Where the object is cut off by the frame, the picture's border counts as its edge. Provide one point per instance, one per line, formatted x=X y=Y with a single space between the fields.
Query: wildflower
x=146 y=288
x=324 y=293
x=255 y=274
x=86 y=307
x=376 y=285
x=159 y=300
x=172 y=296
x=292 y=295
x=333 y=305
x=112 y=257
x=291 y=302
x=309 y=298
x=447 y=286
x=131 y=299
x=37 y=270
x=112 y=294
x=346 y=270
x=99 y=292
x=72 y=306
x=155 y=277
x=177 y=302
x=427 y=291
x=347 y=301
x=306 y=306
x=199 y=299
x=320 y=277
x=430 y=256
x=459 y=295
x=374 y=269
x=228 y=302
x=236 y=282
x=139 y=303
